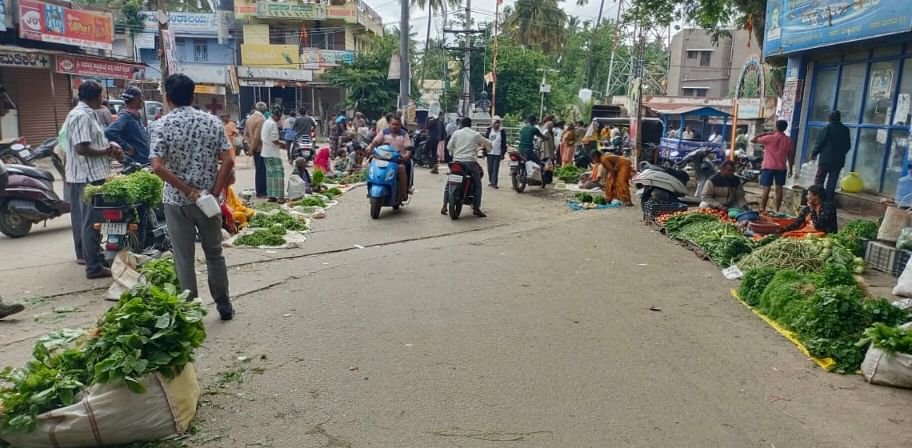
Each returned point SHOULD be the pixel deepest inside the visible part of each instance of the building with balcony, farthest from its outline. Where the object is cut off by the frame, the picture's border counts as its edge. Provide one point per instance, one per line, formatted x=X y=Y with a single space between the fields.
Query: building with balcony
x=288 y=45
x=702 y=68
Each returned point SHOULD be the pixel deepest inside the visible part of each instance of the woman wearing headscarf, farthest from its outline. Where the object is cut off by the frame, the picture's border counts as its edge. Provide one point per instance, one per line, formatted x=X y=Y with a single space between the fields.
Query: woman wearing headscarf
x=321 y=161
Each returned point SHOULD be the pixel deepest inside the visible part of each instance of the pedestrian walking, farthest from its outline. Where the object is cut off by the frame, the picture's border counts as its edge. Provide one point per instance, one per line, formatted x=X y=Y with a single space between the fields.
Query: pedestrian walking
x=273 y=147
x=128 y=131
x=288 y=134
x=830 y=149
x=253 y=134
x=436 y=137
x=498 y=137
x=89 y=156
x=231 y=133
x=191 y=154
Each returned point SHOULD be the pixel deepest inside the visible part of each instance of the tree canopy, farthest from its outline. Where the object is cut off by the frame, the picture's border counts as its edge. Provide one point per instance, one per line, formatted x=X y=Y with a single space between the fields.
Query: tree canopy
x=716 y=16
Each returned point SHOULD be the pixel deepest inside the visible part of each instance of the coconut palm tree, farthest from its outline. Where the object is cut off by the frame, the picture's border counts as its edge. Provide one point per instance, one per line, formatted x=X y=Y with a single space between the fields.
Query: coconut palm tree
x=537 y=22
x=433 y=6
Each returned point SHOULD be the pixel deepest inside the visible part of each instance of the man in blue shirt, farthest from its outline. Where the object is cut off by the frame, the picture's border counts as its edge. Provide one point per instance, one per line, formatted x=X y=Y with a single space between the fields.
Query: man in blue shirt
x=128 y=131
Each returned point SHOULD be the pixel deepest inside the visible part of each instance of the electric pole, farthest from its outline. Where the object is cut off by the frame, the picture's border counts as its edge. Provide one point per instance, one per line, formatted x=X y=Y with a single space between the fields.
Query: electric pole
x=467 y=67
x=598 y=22
x=163 y=48
x=404 y=81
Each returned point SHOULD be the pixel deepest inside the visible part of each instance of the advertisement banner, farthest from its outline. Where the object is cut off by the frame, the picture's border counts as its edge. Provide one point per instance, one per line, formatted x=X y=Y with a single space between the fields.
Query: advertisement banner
x=273 y=74
x=259 y=55
x=303 y=11
x=170 y=48
x=750 y=109
x=23 y=59
x=795 y=25
x=82 y=66
x=183 y=23
x=51 y=23
x=315 y=58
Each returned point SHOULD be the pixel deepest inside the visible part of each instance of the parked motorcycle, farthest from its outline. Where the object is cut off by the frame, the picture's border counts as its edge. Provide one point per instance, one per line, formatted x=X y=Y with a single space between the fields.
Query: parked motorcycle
x=28 y=198
x=303 y=147
x=425 y=156
x=15 y=152
x=459 y=189
x=135 y=227
x=383 y=179
x=702 y=163
x=661 y=185
x=46 y=150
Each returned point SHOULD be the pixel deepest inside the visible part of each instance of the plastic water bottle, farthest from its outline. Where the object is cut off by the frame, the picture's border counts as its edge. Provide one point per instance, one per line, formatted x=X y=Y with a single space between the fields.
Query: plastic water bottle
x=904 y=191
x=807 y=174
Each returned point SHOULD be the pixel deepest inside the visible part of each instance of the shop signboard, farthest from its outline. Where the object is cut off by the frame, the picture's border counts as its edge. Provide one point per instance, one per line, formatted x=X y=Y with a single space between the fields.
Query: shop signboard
x=750 y=109
x=796 y=25
x=248 y=74
x=83 y=66
x=301 y=11
x=315 y=58
x=205 y=73
x=24 y=59
x=52 y=23
x=203 y=89
x=144 y=40
x=189 y=23
x=260 y=55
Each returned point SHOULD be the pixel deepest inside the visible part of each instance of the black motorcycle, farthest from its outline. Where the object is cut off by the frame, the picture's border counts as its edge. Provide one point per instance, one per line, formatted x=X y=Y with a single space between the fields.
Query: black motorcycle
x=46 y=151
x=138 y=228
x=459 y=189
x=15 y=152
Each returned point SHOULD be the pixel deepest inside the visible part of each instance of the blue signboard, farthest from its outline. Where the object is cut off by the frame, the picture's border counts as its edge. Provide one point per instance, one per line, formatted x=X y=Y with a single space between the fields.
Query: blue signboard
x=796 y=25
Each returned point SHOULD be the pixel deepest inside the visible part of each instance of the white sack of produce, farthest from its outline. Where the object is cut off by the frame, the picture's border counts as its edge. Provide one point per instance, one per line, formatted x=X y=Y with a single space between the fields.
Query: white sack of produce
x=885 y=367
x=903 y=286
x=110 y=414
x=297 y=188
x=125 y=273
x=533 y=171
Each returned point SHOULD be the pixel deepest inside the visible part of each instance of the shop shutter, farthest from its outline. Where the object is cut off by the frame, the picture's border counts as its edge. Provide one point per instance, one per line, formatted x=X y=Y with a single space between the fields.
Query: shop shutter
x=40 y=113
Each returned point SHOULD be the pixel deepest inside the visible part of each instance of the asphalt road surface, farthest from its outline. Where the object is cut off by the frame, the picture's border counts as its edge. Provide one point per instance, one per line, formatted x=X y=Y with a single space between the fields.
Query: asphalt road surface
x=535 y=327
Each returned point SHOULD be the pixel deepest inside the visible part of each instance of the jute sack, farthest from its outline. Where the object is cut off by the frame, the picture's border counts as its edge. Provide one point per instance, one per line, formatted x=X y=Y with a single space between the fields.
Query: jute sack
x=895 y=219
x=110 y=414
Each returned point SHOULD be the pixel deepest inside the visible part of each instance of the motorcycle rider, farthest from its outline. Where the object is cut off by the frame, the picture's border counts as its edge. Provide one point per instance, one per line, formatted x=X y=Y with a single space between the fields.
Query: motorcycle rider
x=127 y=130
x=463 y=146
x=398 y=138
x=527 y=140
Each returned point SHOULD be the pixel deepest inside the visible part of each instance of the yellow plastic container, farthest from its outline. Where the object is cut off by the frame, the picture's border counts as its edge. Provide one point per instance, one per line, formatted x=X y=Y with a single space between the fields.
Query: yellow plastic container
x=852 y=183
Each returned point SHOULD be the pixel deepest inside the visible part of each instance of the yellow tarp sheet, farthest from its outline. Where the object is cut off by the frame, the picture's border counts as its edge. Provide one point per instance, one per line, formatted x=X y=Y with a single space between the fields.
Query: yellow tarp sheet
x=826 y=363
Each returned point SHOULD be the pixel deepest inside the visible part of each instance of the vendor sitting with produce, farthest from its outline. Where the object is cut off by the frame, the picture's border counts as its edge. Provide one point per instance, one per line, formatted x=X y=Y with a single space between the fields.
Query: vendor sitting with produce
x=595 y=179
x=816 y=218
x=240 y=212
x=724 y=190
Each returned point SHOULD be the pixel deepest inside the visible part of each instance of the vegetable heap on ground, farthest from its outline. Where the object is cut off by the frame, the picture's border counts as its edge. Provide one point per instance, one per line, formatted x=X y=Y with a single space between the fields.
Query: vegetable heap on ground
x=851 y=235
x=584 y=197
x=140 y=187
x=826 y=309
x=332 y=192
x=352 y=178
x=802 y=255
x=159 y=271
x=282 y=218
x=150 y=329
x=272 y=236
x=722 y=242
x=894 y=339
x=568 y=173
x=309 y=201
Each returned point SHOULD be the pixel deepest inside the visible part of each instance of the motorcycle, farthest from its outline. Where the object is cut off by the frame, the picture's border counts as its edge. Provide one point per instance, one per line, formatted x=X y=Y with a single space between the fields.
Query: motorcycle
x=46 y=150
x=702 y=163
x=747 y=167
x=303 y=147
x=459 y=189
x=15 y=152
x=28 y=198
x=135 y=227
x=660 y=185
x=383 y=179
x=425 y=156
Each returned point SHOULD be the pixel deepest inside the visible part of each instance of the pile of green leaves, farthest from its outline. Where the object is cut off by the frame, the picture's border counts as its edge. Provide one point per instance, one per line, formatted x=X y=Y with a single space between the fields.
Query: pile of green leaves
x=599 y=200
x=318 y=177
x=723 y=242
x=583 y=197
x=851 y=234
x=150 y=329
x=332 y=192
x=310 y=201
x=753 y=283
x=266 y=206
x=353 y=178
x=568 y=170
x=273 y=236
x=802 y=255
x=159 y=272
x=140 y=187
x=675 y=224
x=281 y=217
x=891 y=338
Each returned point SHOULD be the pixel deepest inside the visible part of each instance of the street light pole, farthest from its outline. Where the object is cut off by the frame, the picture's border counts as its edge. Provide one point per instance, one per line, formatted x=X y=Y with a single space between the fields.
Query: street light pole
x=404 y=81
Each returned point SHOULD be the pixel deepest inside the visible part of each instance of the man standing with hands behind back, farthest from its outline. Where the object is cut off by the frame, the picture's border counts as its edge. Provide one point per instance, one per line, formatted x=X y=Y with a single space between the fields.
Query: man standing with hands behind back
x=253 y=129
x=187 y=147
x=88 y=156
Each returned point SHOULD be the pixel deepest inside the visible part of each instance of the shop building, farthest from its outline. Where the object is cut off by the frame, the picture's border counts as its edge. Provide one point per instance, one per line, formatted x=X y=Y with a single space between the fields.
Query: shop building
x=203 y=52
x=855 y=57
x=304 y=38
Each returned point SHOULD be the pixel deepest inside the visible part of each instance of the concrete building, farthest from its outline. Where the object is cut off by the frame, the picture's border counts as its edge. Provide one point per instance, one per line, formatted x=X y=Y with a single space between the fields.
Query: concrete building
x=700 y=68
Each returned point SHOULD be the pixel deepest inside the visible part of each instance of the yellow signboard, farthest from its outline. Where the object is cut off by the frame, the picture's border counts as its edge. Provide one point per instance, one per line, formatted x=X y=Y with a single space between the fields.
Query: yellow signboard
x=281 y=56
x=203 y=89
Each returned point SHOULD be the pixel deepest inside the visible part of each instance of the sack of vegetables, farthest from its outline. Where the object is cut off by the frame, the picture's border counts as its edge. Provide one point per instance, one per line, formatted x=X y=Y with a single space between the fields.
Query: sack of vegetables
x=130 y=379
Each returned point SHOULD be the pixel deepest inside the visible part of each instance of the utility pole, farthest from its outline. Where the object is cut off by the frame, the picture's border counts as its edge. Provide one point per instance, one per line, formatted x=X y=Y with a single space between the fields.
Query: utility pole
x=467 y=68
x=614 y=40
x=404 y=78
x=163 y=44
x=598 y=22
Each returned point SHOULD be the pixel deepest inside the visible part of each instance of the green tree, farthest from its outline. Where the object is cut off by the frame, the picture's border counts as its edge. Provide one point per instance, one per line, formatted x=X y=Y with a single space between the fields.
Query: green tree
x=716 y=16
x=365 y=79
x=537 y=23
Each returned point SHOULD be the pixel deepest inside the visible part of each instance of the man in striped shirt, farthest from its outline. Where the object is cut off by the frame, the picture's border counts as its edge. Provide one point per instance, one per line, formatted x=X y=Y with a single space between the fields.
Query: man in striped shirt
x=88 y=156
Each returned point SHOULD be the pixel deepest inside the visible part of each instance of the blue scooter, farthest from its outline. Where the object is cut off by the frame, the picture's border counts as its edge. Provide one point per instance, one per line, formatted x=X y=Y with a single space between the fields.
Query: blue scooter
x=383 y=179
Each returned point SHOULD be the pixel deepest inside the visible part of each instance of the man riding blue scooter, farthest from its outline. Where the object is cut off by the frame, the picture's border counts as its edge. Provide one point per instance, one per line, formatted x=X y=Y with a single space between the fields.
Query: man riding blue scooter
x=398 y=140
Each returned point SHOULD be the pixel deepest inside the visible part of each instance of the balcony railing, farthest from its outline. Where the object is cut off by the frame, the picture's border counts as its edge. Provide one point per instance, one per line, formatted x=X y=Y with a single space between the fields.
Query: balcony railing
x=356 y=12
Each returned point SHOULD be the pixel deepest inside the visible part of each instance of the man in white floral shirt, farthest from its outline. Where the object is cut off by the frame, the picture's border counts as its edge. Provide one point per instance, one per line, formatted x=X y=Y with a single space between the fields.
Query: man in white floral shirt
x=190 y=153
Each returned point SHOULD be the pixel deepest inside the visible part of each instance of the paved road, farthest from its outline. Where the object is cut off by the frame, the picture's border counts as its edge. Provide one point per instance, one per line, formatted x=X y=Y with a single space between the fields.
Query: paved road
x=534 y=326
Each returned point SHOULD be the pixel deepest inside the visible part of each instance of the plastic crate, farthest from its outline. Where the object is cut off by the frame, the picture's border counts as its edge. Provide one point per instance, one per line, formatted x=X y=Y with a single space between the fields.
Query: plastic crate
x=881 y=256
x=653 y=210
x=899 y=264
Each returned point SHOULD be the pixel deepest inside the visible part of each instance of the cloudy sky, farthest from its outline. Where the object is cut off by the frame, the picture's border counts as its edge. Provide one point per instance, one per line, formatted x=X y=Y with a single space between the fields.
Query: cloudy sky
x=482 y=10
